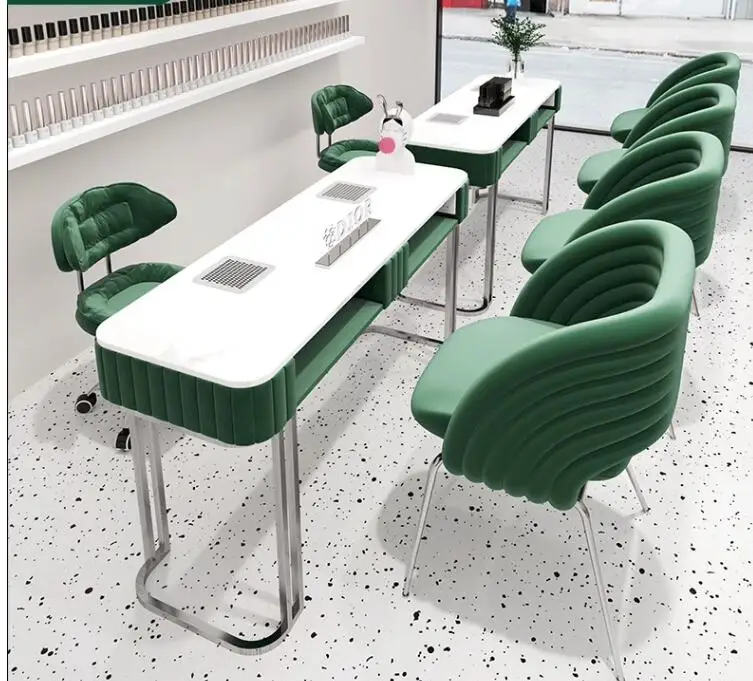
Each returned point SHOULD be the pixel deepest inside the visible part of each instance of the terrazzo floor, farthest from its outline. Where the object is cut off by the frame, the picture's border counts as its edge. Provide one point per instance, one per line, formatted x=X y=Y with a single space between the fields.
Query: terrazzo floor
x=503 y=588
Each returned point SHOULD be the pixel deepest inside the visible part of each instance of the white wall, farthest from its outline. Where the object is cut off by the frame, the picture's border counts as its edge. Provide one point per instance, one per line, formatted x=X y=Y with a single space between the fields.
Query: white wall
x=647 y=8
x=224 y=163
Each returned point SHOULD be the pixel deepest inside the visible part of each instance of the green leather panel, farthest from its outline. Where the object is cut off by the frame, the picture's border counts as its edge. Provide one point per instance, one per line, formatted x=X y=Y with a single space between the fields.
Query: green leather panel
x=624 y=123
x=427 y=240
x=554 y=408
x=464 y=358
x=701 y=108
x=339 y=153
x=676 y=179
x=114 y=291
x=335 y=106
x=314 y=361
x=102 y=220
x=387 y=284
x=231 y=415
x=551 y=235
x=716 y=67
x=596 y=166
x=235 y=417
x=483 y=169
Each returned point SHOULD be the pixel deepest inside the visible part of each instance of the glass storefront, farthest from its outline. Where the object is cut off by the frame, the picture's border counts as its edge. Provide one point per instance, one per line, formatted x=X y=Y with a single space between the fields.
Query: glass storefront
x=606 y=63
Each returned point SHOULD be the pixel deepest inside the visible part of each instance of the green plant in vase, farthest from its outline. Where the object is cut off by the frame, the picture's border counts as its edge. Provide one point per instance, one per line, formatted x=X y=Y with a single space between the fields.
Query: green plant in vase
x=517 y=36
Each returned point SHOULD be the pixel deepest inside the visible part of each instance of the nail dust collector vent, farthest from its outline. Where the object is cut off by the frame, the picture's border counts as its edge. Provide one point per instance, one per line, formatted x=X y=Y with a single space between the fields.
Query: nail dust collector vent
x=349 y=193
x=233 y=274
x=450 y=119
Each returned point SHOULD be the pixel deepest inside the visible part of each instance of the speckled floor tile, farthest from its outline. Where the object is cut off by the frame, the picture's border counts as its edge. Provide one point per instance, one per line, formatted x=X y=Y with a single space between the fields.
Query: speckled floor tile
x=503 y=588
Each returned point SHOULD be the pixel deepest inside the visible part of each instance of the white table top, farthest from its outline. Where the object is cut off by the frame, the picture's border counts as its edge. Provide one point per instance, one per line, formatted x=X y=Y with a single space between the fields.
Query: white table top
x=481 y=134
x=243 y=339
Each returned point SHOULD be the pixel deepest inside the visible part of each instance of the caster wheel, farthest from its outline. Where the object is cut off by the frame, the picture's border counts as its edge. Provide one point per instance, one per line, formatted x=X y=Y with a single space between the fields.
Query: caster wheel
x=85 y=403
x=123 y=441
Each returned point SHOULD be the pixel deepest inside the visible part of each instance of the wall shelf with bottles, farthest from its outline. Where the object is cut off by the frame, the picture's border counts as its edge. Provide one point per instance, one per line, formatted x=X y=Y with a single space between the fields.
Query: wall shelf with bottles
x=56 y=44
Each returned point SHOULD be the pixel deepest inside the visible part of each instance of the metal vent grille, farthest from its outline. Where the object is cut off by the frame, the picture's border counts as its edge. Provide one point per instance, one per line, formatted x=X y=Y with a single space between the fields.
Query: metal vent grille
x=233 y=274
x=451 y=119
x=344 y=191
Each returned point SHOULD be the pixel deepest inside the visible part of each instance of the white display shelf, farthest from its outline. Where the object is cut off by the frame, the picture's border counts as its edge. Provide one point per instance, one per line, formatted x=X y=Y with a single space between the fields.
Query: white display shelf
x=44 y=61
x=109 y=126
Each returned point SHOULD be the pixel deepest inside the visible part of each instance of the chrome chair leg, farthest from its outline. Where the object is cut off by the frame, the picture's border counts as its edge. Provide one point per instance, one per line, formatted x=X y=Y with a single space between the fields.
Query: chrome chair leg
x=671 y=431
x=694 y=308
x=451 y=283
x=593 y=554
x=548 y=166
x=431 y=480
x=637 y=489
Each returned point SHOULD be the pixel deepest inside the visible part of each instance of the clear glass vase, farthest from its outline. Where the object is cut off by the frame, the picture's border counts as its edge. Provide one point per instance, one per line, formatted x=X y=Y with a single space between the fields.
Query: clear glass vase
x=517 y=68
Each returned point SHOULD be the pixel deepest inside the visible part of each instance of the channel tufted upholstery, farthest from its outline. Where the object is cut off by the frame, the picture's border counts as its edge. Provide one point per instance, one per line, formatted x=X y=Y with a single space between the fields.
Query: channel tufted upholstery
x=333 y=107
x=717 y=67
x=581 y=377
x=702 y=108
x=99 y=222
x=676 y=179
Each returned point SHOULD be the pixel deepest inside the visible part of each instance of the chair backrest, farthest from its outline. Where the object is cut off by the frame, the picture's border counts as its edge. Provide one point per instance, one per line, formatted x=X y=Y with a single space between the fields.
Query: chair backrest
x=335 y=106
x=701 y=108
x=577 y=403
x=677 y=178
x=717 y=67
x=102 y=220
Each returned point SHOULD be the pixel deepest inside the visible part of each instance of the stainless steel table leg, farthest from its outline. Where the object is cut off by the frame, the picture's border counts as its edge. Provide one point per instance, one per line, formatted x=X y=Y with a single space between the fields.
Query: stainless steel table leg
x=491 y=221
x=451 y=281
x=289 y=560
x=491 y=239
x=544 y=200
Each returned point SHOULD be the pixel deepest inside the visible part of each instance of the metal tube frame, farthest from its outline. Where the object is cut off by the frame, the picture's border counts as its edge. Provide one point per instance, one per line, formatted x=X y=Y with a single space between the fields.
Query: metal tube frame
x=546 y=193
x=431 y=479
x=451 y=296
x=492 y=194
x=284 y=447
x=694 y=305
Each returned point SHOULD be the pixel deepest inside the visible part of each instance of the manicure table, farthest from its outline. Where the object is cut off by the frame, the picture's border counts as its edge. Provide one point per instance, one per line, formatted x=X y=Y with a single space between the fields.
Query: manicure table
x=450 y=134
x=229 y=347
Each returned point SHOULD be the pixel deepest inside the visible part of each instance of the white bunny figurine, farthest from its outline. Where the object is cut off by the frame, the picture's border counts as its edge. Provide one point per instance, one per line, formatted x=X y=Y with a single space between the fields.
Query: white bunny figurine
x=394 y=132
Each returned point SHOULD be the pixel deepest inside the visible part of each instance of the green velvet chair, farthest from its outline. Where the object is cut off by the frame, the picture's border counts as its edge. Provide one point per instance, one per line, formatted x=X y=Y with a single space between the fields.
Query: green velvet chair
x=91 y=227
x=582 y=376
x=333 y=107
x=717 y=67
x=703 y=108
x=676 y=178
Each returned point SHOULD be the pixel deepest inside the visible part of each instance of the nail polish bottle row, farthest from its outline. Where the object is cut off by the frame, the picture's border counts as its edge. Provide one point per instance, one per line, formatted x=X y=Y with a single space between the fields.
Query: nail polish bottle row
x=116 y=95
x=53 y=35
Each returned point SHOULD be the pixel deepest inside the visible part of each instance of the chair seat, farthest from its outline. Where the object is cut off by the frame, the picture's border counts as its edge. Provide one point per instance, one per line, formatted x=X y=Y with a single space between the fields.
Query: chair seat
x=115 y=291
x=550 y=236
x=623 y=124
x=465 y=357
x=596 y=166
x=339 y=153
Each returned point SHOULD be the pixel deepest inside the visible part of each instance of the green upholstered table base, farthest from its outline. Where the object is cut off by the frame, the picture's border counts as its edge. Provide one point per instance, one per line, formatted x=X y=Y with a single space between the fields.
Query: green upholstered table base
x=252 y=415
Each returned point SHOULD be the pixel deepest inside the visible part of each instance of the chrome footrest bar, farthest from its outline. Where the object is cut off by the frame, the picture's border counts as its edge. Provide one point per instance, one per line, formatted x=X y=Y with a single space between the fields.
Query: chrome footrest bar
x=404 y=335
x=431 y=305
